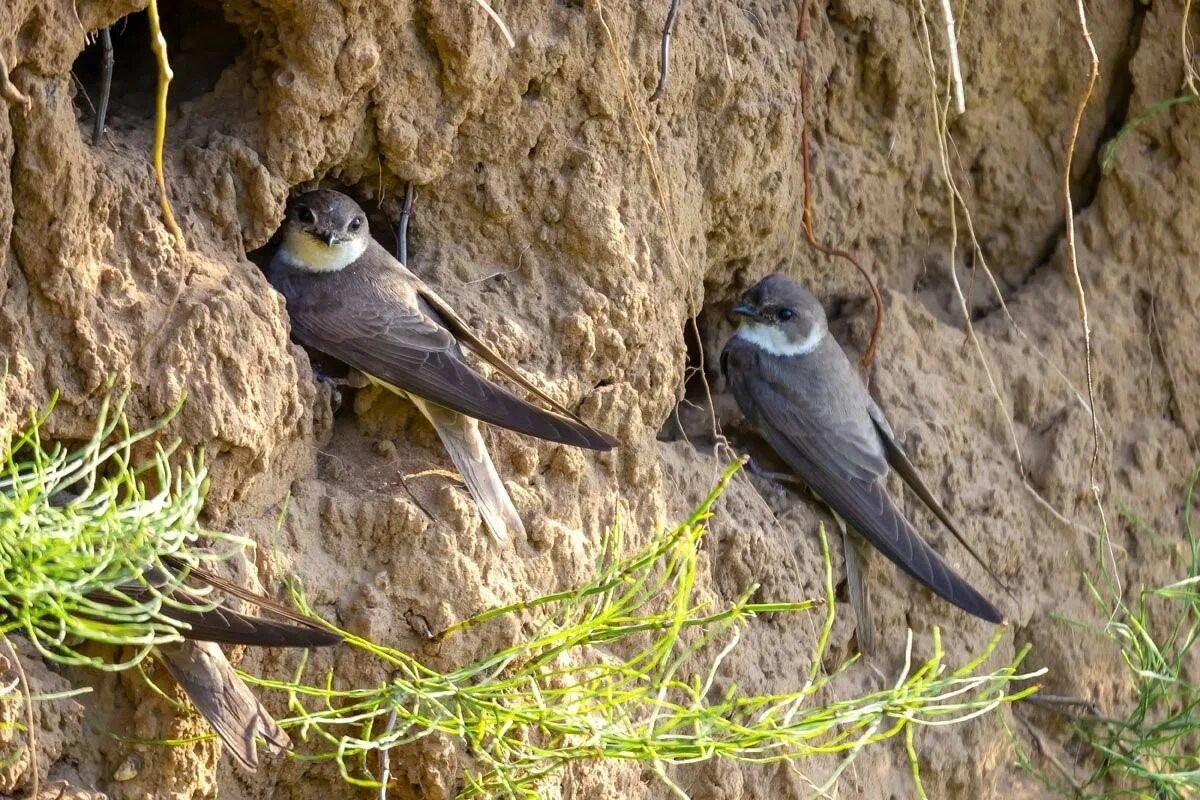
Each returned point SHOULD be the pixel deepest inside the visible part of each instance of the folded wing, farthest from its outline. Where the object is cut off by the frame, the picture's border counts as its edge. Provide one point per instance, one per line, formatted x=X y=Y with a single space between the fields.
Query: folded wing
x=387 y=333
x=843 y=461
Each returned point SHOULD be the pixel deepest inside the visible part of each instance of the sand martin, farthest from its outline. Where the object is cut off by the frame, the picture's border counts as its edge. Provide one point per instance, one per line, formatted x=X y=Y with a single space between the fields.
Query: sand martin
x=799 y=390
x=350 y=299
x=201 y=668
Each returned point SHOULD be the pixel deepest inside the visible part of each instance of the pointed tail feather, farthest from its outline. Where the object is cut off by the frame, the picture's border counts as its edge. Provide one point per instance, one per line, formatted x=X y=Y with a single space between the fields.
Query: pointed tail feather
x=464 y=442
x=224 y=699
x=900 y=462
x=222 y=624
x=866 y=507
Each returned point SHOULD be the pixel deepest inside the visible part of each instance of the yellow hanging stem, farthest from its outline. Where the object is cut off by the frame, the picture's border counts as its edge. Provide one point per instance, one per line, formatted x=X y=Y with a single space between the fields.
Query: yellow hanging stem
x=159 y=44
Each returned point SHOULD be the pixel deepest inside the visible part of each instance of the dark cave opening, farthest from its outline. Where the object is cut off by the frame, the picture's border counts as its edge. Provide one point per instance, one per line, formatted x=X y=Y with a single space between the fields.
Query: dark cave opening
x=201 y=45
x=706 y=401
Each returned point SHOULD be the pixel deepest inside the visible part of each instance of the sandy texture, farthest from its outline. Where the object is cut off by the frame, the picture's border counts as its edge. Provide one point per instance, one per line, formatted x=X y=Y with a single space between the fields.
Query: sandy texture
x=581 y=228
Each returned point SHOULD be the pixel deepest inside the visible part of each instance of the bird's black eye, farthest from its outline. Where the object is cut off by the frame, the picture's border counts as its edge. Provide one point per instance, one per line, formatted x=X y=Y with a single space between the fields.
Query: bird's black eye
x=355 y=224
x=784 y=314
x=305 y=215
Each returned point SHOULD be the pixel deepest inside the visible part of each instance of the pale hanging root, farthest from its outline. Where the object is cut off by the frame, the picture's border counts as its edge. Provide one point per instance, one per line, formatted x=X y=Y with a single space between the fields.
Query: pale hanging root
x=10 y=92
x=977 y=249
x=960 y=100
x=987 y=270
x=981 y=259
x=1190 y=78
x=496 y=18
x=809 y=234
x=165 y=75
x=941 y=118
x=1080 y=296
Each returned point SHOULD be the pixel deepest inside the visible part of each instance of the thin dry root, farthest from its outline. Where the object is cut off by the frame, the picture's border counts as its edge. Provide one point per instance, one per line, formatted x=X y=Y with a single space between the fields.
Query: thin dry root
x=809 y=234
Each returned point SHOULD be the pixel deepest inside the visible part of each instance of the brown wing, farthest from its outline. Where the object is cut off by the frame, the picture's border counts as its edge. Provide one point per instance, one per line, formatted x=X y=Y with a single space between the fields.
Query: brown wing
x=844 y=466
x=372 y=319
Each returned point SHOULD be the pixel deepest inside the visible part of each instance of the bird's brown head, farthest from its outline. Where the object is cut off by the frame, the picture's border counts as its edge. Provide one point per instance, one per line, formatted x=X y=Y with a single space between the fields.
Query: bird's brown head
x=324 y=231
x=781 y=317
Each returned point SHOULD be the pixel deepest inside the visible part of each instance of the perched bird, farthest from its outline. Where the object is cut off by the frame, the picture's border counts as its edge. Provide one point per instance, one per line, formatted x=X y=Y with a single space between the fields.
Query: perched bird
x=801 y=393
x=350 y=299
x=201 y=668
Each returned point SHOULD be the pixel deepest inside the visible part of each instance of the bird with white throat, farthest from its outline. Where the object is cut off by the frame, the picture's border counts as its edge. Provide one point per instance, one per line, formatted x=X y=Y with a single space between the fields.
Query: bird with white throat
x=349 y=298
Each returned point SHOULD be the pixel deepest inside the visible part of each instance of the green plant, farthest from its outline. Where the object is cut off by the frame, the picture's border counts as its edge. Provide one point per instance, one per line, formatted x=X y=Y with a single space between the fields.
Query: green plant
x=1152 y=748
x=79 y=530
x=560 y=696
x=82 y=523
x=1110 y=149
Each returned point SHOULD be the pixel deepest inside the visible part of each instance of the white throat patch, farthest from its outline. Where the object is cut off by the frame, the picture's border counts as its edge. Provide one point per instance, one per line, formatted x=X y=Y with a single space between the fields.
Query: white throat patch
x=308 y=253
x=775 y=342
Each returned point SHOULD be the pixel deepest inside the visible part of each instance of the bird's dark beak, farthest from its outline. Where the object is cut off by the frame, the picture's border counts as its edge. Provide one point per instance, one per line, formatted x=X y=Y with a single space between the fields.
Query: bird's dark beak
x=328 y=237
x=743 y=310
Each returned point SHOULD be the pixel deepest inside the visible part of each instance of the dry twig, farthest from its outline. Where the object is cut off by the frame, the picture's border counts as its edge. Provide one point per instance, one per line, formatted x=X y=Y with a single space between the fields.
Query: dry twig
x=402 y=228
x=106 y=76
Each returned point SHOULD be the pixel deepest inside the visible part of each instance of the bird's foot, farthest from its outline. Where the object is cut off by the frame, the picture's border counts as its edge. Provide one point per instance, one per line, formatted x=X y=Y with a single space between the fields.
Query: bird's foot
x=768 y=475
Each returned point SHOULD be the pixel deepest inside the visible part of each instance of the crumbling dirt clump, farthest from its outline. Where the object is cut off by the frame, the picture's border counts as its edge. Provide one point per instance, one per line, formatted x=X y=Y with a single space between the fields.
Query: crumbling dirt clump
x=582 y=228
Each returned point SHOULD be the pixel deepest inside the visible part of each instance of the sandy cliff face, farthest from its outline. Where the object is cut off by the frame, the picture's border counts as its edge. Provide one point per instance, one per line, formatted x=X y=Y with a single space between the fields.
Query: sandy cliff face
x=582 y=228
